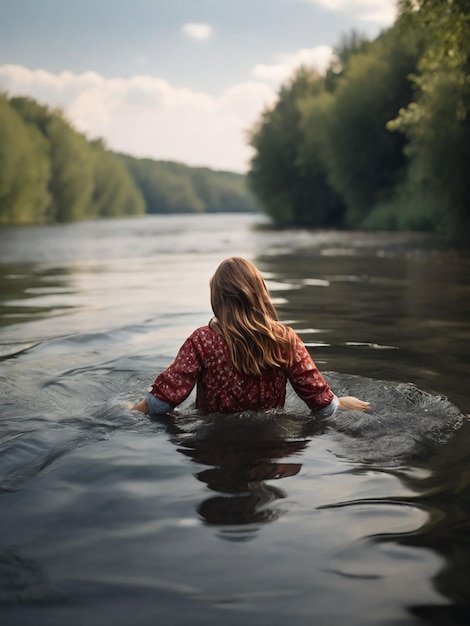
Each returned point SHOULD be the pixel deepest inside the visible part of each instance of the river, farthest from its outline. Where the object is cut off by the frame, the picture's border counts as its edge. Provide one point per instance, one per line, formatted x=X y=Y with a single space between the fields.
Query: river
x=108 y=517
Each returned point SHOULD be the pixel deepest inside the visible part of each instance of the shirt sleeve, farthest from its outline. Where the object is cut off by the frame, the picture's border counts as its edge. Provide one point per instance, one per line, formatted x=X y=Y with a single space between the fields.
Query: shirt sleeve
x=308 y=383
x=157 y=406
x=175 y=383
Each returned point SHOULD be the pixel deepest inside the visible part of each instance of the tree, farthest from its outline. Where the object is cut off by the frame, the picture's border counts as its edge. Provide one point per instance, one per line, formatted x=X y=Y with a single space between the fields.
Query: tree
x=84 y=180
x=170 y=187
x=365 y=161
x=114 y=192
x=24 y=169
x=222 y=191
x=290 y=186
x=437 y=121
x=349 y=45
x=71 y=184
x=71 y=178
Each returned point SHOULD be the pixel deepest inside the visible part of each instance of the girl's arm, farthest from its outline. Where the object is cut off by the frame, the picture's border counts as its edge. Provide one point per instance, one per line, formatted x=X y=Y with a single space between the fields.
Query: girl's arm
x=310 y=385
x=175 y=383
x=141 y=406
x=346 y=402
x=152 y=406
x=350 y=402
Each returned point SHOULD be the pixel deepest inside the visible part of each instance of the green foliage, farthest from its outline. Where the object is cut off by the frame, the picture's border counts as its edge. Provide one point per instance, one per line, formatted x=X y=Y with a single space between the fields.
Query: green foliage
x=324 y=156
x=222 y=191
x=366 y=161
x=114 y=192
x=176 y=188
x=326 y=205
x=164 y=188
x=437 y=122
x=24 y=169
x=81 y=180
x=349 y=45
x=290 y=181
x=49 y=172
x=71 y=183
x=383 y=139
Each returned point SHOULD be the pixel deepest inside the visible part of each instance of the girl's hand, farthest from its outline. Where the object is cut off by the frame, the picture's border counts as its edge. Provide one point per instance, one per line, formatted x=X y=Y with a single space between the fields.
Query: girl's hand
x=142 y=407
x=350 y=402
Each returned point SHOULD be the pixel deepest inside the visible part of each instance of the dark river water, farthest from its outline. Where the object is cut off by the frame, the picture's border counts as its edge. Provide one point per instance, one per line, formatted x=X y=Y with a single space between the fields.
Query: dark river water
x=109 y=518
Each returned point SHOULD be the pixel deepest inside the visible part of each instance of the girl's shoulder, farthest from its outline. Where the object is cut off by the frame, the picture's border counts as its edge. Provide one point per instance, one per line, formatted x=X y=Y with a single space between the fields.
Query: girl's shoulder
x=206 y=334
x=290 y=331
x=287 y=331
x=206 y=342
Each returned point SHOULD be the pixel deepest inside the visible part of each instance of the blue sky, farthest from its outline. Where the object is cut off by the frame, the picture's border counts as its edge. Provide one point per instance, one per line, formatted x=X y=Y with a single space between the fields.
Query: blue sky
x=171 y=79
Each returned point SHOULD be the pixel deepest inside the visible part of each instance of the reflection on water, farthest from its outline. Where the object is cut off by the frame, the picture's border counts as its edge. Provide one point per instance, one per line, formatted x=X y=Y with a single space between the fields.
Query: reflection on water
x=109 y=518
x=28 y=293
x=242 y=453
x=412 y=303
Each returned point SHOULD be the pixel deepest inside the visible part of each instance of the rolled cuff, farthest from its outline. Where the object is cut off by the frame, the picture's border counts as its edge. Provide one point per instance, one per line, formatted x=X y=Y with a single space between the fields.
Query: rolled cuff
x=329 y=409
x=157 y=406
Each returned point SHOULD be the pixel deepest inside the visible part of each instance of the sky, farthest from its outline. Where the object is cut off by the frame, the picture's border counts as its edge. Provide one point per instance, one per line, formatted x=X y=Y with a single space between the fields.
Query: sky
x=180 y=80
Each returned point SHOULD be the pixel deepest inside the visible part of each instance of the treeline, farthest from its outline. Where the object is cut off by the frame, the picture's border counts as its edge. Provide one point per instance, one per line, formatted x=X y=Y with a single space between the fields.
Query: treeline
x=382 y=139
x=169 y=187
x=49 y=172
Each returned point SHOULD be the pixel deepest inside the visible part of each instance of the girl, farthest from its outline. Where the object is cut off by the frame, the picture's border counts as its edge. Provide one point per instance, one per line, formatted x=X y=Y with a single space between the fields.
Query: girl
x=243 y=358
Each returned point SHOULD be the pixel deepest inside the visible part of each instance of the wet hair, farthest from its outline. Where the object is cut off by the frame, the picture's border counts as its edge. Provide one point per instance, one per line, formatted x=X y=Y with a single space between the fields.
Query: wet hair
x=247 y=319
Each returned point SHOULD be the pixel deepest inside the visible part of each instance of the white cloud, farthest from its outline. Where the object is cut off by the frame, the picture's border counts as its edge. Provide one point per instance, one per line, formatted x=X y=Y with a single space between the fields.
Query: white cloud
x=286 y=64
x=197 y=31
x=381 y=12
x=150 y=117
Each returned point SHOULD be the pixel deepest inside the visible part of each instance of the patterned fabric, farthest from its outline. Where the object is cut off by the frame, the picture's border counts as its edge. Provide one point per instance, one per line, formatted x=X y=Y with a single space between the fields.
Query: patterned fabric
x=204 y=360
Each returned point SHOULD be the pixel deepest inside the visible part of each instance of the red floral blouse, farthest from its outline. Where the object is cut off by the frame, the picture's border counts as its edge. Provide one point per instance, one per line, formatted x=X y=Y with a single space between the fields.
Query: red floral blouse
x=204 y=360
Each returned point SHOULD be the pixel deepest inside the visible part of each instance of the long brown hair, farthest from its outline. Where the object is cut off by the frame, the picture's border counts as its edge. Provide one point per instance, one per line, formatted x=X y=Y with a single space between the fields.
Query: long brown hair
x=247 y=319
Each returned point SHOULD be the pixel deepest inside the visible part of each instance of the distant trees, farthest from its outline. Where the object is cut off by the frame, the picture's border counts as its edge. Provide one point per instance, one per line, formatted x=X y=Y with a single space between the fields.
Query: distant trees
x=49 y=172
x=437 y=120
x=24 y=168
x=364 y=160
x=365 y=146
x=114 y=191
x=289 y=180
x=381 y=140
x=176 y=188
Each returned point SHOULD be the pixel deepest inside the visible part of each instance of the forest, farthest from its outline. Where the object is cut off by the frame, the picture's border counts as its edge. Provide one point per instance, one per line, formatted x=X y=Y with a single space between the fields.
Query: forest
x=49 y=172
x=169 y=187
x=382 y=139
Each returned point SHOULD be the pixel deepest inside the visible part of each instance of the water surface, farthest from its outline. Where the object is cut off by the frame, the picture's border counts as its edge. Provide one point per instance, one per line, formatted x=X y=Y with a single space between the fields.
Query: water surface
x=108 y=517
